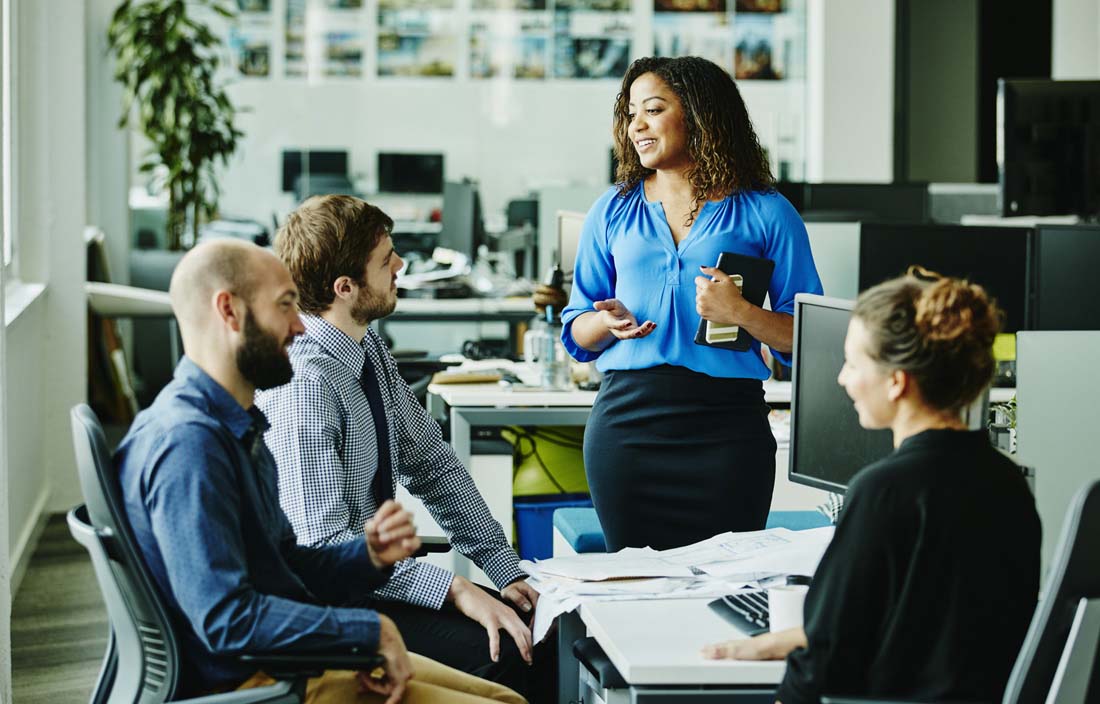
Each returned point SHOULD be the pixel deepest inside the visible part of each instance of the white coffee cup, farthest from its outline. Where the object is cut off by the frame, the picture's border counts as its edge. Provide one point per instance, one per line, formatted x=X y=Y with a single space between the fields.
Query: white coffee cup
x=785 y=606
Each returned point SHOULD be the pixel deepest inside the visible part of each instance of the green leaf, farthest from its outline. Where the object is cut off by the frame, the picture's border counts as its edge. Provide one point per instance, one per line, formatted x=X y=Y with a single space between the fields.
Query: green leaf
x=167 y=62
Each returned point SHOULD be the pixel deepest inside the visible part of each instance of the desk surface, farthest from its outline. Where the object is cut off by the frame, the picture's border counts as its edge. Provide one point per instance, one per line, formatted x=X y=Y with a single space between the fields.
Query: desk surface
x=496 y=396
x=442 y=308
x=659 y=643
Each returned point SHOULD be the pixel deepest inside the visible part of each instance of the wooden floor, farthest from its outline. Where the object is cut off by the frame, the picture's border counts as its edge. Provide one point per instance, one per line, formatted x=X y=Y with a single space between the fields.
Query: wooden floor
x=58 y=623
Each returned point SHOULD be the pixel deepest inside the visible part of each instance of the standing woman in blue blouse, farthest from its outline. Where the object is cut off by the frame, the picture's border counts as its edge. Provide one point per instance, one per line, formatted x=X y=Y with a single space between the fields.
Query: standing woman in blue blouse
x=678 y=446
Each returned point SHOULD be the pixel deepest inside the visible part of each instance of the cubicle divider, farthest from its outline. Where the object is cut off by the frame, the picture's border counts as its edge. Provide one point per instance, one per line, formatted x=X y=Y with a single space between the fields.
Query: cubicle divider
x=1057 y=391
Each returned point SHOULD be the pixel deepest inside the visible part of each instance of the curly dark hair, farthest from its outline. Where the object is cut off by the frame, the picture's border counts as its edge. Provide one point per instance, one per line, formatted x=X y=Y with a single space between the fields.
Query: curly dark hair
x=938 y=329
x=725 y=152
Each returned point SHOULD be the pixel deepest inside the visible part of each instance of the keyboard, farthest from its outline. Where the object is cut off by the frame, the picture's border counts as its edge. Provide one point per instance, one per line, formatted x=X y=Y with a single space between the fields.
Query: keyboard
x=746 y=611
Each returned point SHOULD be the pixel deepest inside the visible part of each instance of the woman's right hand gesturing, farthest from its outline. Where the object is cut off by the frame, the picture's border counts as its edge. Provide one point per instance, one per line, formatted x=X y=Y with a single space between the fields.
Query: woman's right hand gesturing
x=620 y=322
x=597 y=329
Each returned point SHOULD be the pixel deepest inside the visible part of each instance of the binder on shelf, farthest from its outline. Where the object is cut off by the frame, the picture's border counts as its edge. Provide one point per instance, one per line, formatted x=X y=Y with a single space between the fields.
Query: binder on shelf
x=755 y=274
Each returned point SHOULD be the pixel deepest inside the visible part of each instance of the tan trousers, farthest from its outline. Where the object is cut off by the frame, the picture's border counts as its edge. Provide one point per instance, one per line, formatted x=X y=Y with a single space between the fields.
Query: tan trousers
x=432 y=683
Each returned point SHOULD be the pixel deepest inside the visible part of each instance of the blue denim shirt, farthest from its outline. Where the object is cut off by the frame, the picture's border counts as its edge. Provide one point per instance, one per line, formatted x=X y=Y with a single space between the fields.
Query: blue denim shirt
x=201 y=494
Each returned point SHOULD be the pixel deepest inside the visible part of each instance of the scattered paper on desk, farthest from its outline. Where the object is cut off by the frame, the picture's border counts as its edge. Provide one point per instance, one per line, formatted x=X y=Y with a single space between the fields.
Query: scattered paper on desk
x=557 y=597
x=713 y=567
x=799 y=554
x=596 y=567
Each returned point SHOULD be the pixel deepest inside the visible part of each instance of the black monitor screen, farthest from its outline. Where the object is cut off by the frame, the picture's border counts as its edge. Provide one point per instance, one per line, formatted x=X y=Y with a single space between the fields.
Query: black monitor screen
x=994 y=257
x=1066 y=258
x=794 y=192
x=328 y=162
x=828 y=445
x=462 y=225
x=297 y=161
x=1048 y=147
x=410 y=173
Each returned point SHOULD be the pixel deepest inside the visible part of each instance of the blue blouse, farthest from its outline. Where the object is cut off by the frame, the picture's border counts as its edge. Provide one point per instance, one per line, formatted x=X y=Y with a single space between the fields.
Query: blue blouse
x=627 y=252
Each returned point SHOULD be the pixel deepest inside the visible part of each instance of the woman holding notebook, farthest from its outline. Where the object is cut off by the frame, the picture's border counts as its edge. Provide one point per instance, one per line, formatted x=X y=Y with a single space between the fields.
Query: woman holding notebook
x=678 y=446
x=927 y=588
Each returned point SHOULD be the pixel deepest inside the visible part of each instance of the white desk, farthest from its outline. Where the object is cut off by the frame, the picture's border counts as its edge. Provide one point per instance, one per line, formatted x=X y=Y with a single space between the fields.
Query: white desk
x=473 y=405
x=655 y=646
x=513 y=311
x=463 y=309
x=479 y=405
x=659 y=643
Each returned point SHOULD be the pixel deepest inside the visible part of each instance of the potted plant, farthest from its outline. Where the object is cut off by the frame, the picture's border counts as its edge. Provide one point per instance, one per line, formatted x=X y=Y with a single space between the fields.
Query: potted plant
x=167 y=61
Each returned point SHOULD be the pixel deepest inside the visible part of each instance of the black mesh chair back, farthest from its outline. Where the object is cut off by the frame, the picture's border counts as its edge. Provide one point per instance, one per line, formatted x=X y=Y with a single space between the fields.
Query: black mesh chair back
x=145 y=647
x=1074 y=575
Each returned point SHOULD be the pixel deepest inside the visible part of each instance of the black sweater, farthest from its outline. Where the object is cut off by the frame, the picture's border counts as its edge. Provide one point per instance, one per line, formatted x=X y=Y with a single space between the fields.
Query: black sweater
x=929 y=584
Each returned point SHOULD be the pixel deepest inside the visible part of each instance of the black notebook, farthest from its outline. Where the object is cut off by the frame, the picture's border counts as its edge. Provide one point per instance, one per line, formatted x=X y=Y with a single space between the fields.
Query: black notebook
x=756 y=275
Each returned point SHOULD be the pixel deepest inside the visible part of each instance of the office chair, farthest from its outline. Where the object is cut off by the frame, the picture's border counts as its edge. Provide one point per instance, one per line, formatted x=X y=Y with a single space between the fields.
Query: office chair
x=1057 y=662
x=142 y=661
x=1059 y=651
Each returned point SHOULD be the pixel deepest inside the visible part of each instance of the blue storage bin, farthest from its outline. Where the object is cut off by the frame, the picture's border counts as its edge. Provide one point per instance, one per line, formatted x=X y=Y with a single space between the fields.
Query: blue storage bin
x=535 y=522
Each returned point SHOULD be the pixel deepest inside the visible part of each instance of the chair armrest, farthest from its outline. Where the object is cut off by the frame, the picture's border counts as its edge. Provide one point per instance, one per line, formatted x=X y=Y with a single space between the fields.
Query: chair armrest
x=298 y=665
x=432 y=543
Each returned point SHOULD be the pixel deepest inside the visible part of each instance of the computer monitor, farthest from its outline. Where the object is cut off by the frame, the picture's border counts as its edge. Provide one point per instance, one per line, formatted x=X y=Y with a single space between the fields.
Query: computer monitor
x=993 y=257
x=328 y=162
x=570 y=224
x=410 y=173
x=885 y=202
x=1065 y=274
x=1048 y=147
x=828 y=445
x=462 y=228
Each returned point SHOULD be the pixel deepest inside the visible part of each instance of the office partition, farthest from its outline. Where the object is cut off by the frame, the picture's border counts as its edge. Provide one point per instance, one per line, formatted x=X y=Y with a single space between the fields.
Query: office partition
x=1057 y=390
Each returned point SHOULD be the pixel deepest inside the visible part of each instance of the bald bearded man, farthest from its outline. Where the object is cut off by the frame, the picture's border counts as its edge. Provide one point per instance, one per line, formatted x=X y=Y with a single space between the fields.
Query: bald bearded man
x=200 y=489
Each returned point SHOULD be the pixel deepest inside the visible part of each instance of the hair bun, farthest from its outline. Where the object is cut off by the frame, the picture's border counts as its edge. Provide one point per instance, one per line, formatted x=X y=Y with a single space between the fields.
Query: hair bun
x=951 y=310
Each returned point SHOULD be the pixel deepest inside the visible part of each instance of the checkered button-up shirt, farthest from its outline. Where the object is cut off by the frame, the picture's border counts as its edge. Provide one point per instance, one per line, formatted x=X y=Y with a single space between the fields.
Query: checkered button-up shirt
x=323 y=439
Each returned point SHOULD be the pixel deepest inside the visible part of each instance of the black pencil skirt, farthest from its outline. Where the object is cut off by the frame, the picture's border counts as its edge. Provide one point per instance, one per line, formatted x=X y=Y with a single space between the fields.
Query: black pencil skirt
x=674 y=456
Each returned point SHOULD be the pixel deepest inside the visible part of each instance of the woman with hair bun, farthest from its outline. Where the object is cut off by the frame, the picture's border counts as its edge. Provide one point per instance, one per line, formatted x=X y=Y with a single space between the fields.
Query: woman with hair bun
x=678 y=447
x=929 y=584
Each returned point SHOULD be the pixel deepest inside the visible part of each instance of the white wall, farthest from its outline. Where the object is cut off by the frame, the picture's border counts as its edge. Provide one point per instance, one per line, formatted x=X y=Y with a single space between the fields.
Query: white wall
x=107 y=165
x=851 y=91
x=512 y=136
x=1075 y=47
x=28 y=484
x=5 y=561
x=45 y=347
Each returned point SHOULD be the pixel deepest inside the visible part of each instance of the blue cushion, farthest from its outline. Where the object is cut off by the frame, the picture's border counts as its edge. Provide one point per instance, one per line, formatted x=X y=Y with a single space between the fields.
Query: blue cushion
x=581 y=529
x=797 y=520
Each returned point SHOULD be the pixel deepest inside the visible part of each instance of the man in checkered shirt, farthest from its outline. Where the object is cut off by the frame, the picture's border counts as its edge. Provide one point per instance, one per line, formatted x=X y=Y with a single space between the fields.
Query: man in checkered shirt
x=327 y=447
